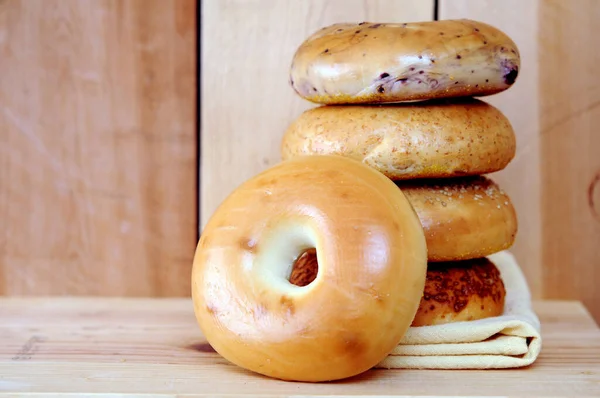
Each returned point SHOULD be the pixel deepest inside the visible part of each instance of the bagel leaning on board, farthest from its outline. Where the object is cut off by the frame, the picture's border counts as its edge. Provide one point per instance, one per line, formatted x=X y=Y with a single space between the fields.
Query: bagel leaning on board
x=353 y=314
x=391 y=62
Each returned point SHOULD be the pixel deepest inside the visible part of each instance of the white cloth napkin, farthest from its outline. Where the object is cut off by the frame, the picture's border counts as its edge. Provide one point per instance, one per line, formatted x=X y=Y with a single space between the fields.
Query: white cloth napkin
x=508 y=341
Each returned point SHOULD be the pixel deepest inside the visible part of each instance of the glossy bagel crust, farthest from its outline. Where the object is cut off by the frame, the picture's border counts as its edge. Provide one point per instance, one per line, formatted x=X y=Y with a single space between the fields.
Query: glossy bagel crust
x=433 y=139
x=372 y=259
x=461 y=291
x=391 y=62
x=463 y=218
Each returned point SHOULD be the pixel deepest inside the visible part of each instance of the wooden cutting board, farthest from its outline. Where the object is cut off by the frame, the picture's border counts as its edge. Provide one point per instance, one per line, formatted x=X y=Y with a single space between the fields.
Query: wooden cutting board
x=153 y=346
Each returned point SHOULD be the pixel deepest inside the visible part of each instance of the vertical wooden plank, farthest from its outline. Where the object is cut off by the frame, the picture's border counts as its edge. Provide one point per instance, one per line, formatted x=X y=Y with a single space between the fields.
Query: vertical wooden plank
x=247 y=102
x=569 y=90
x=521 y=178
x=98 y=147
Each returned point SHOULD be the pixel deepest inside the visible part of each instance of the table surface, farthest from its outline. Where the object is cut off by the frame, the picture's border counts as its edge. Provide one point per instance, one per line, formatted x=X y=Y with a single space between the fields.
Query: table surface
x=154 y=346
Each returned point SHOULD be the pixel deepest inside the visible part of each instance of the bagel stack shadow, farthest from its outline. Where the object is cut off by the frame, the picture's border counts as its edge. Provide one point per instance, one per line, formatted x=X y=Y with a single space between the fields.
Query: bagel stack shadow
x=401 y=98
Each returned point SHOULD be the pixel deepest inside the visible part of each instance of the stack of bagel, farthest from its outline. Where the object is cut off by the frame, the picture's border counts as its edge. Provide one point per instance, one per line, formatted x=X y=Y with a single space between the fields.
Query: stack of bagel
x=400 y=98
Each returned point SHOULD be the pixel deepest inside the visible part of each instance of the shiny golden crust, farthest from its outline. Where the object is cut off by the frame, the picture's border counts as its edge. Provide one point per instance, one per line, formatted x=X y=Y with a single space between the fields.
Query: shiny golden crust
x=391 y=62
x=461 y=291
x=353 y=314
x=433 y=139
x=463 y=218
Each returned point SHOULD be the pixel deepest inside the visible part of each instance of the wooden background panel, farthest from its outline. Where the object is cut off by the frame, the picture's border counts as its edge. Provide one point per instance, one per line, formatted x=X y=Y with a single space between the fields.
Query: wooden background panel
x=247 y=102
x=521 y=178
x=98 y=147
x=569 y=90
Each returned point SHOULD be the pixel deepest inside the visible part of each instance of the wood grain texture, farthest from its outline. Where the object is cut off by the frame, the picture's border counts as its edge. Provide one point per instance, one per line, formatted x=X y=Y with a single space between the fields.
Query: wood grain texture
x=555 y=109
x=521 y=178
x=98 y=147
x=569 y=90
x=247 y=102
x=154 y=346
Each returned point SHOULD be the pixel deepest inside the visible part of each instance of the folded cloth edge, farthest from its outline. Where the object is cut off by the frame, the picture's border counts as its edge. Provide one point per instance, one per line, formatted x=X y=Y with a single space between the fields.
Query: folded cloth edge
x=455 y=362
x=498 y=345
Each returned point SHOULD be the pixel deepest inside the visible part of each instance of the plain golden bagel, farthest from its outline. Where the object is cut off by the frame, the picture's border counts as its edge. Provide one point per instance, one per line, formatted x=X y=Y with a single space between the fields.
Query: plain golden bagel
x=391 y=62
x=461 y=291
x=353 y=313
x=463 y=218
x=433 y=139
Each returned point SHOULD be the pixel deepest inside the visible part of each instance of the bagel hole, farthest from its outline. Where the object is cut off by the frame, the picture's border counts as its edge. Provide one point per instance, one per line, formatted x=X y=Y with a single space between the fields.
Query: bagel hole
x=305 y=268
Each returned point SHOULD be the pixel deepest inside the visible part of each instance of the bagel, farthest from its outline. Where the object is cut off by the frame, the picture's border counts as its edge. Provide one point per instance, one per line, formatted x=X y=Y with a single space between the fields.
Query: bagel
x=391 y=62
x=372 y=259
x=454 y=291
x=461 y=291
x=463 y=218
x=435 y=139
